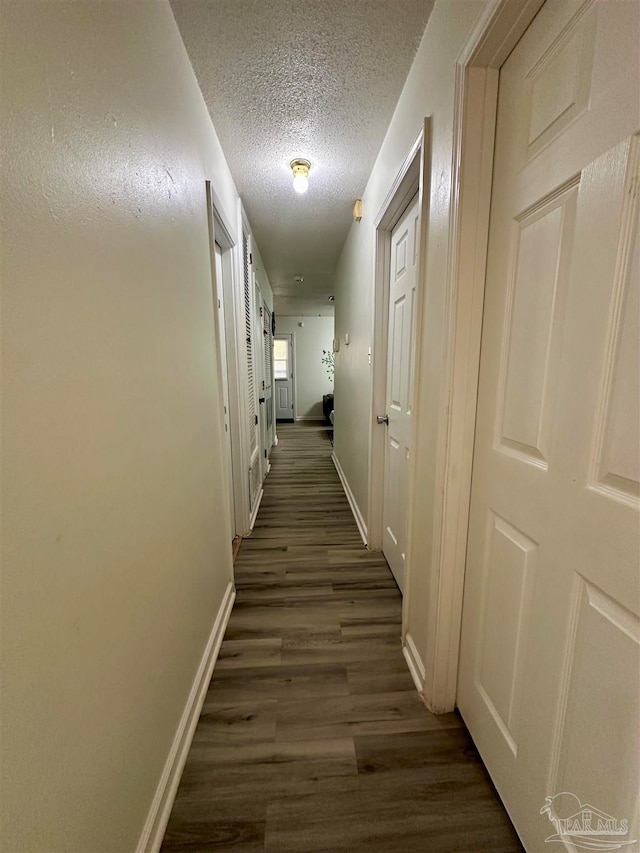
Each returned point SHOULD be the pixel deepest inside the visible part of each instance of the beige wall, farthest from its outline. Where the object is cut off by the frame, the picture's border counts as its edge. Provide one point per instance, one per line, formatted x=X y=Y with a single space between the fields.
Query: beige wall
x=116 y=546
x=311 y=378
x=429 y=91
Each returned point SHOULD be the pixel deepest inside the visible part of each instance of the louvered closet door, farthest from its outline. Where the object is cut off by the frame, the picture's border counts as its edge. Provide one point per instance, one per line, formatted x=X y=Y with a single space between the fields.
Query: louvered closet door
x=252 y=402
x=258 y=355
x=549 y=671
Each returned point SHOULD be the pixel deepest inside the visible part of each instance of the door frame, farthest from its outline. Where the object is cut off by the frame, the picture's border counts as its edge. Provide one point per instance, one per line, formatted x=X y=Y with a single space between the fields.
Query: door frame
x=220 y=297
x=498 y=29
x=222 y=232
x=267 y=339
x=412 y=179
x=292 y=353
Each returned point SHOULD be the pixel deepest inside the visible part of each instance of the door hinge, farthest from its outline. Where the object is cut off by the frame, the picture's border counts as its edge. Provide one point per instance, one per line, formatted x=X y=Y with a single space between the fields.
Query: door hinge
x=256 y=417
x=250 y=258
x=265 y=454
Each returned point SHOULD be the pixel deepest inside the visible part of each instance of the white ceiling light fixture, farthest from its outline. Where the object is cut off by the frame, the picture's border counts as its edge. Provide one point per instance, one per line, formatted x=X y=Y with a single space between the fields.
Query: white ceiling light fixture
x=300 y=169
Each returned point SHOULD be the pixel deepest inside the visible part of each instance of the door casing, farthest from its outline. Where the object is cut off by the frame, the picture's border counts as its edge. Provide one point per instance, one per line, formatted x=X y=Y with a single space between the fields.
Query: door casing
x=410 y=180
x=220 y=305
x=221 y=231
x=497 y=31
x=413 y=177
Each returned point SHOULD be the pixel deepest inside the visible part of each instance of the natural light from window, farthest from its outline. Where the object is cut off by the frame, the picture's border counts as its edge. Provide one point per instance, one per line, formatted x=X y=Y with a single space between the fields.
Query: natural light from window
x=281 y=359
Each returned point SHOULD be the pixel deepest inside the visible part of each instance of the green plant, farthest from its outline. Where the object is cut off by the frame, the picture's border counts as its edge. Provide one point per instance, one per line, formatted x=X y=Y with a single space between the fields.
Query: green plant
x=329 y=361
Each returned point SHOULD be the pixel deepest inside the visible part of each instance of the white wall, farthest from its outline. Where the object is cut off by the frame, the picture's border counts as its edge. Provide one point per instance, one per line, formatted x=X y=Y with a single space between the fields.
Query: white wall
x=311 y=377
x=428 y=91
x=116 y=540
x=261 y=274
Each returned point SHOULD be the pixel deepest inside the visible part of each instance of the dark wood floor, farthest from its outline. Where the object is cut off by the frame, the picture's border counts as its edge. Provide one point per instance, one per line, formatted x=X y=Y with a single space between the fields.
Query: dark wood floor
x=312 y=738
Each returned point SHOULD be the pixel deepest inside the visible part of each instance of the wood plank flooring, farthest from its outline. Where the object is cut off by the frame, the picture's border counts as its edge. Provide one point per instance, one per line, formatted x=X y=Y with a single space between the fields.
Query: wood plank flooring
x=312 y=738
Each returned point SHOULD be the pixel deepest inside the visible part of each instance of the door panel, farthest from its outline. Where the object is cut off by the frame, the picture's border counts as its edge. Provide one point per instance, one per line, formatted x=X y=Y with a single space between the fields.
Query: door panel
x=268 y=378
x=549 y=665
x=400 y=348
x=285 y=404
x=535 y=315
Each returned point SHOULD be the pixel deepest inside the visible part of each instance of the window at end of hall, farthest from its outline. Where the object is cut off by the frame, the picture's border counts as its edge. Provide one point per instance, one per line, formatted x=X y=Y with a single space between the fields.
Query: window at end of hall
x=281 y=359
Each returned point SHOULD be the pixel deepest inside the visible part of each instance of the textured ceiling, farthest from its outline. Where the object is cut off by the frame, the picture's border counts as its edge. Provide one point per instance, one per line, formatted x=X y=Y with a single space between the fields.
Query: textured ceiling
x=301 y=78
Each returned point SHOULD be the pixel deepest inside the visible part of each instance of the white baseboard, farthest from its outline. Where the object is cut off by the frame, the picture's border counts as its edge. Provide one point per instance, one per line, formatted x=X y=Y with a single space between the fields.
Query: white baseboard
x=355 y=509
x=317 y=418
x=158 y=817
x=254 y=513
x=415 y=664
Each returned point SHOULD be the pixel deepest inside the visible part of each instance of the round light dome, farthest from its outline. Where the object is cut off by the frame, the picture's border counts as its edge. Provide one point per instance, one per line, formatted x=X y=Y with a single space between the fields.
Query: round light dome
x=300 y=169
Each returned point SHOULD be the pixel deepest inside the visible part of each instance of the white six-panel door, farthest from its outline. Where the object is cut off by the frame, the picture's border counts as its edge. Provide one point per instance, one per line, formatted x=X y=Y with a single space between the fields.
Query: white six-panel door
x=405 y=243
x=549 y=676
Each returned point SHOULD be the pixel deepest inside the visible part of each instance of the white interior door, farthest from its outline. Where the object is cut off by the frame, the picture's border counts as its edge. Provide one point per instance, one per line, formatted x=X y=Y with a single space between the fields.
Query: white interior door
x=405 y=243
x=283 y=375
x=549 y=667
x=225 y=382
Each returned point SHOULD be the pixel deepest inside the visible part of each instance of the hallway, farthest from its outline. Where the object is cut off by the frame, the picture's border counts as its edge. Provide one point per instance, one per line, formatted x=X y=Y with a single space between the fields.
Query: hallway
x=312 y=735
